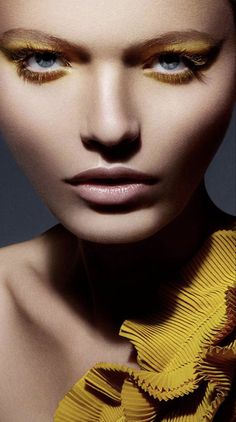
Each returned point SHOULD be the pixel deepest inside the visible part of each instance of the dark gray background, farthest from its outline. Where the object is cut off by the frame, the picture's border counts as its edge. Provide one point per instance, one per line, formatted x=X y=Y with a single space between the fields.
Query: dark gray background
x=23 y=215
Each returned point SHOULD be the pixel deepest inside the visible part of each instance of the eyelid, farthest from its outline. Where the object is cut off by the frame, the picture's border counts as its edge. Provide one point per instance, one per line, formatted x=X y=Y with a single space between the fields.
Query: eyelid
x=197 y=47
x=30 y=63
x=197 y=57
x=20 y=57
x=27 y=53
x=195 y=63
x=21 y=48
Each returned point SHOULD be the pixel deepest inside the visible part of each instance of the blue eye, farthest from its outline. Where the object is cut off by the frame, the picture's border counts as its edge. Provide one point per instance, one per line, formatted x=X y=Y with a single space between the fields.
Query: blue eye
x=170 y=61
x=172 y=67
x=45 y=60
x=39 y=66
x=41 y=61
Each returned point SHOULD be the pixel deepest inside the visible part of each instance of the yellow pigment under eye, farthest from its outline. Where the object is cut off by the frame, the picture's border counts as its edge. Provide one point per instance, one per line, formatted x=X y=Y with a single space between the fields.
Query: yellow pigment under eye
x=196 y=56
x=20 y=52
x=176 y=79
x=40 y=77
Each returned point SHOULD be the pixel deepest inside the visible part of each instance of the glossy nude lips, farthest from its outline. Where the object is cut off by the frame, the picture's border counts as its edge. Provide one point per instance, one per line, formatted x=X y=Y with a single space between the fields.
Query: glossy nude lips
x=110 y=173
x=112 y=186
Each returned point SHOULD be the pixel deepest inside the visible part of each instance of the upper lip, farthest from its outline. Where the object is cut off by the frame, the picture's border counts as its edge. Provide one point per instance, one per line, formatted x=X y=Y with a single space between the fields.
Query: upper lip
x=104 y=173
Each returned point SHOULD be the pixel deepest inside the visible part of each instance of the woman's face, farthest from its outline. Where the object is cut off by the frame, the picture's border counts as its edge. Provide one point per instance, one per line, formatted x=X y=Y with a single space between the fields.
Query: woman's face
x=97 y=93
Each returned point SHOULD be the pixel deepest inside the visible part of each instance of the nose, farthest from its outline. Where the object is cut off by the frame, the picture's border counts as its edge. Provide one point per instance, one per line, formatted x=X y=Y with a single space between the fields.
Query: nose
x=110 y=117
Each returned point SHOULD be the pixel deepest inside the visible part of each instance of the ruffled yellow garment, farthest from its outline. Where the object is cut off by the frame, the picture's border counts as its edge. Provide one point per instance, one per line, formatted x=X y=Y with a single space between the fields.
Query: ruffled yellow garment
x=186 y=352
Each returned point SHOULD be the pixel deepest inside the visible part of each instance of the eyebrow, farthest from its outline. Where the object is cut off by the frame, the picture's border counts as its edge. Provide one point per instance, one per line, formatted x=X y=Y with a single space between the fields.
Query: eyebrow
x=130 y=53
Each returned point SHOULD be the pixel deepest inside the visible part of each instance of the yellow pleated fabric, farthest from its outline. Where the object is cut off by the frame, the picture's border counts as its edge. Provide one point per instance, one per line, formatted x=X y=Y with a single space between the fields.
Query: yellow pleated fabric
x=186 y=352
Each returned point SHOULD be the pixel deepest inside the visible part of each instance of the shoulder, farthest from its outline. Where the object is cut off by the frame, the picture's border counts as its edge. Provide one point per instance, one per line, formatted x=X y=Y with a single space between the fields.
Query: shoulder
x=20 y=266
x=30 y=256
x=16 y=258
x=32 y=271
x=25 y=296
x=15 y=262
x=11 y=267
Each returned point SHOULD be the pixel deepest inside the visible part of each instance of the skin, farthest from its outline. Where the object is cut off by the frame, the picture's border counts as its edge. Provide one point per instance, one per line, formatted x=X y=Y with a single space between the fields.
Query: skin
x=49 y=129
x=180 y=126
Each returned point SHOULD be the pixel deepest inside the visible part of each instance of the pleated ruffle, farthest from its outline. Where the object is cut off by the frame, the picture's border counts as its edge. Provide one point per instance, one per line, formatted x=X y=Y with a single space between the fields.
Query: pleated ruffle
x=186 y=352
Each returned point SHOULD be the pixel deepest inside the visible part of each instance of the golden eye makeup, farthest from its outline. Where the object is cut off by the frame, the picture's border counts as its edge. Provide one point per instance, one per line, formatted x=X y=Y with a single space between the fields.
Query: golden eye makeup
x=35 y=62
x=170 y=51
x=194 y=60
x=193 y=57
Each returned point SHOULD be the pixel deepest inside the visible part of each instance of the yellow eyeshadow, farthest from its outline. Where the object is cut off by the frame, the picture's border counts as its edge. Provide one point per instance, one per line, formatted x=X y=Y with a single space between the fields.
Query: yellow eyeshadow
x=18 y=51
x=196 y=51
x=190 y=47
x=175 y=79
x=193 y=46
x=13 y=46
x=40 y=77
x=198 y=56
x=22 y=45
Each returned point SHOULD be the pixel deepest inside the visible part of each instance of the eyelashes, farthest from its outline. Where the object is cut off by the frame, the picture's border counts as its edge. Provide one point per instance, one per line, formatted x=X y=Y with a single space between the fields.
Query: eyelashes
x=175 y=68
x=172 y=66
x=179 y=66
x=40 y=66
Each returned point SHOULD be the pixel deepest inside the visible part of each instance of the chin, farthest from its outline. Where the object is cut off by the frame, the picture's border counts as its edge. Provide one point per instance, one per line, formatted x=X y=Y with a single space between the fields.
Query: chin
x=115 y=228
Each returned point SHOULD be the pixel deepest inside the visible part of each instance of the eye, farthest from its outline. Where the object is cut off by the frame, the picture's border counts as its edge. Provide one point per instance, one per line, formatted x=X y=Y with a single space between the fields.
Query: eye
x=40 y=66
x=169 y=63
x=43 y=61
x=175 y=68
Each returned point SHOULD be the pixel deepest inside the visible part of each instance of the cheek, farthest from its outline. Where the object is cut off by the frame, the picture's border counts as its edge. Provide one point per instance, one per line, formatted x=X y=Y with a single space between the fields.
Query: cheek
x=29 y=121
x=187 y=124
x=51 y=108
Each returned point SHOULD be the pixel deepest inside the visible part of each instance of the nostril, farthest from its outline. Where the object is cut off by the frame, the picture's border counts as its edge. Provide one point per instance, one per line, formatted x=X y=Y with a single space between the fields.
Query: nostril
x=127 y=138
x=133 y=138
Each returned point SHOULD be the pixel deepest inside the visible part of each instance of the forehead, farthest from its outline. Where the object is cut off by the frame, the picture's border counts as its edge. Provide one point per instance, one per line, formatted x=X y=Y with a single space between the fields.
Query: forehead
x=112 y=23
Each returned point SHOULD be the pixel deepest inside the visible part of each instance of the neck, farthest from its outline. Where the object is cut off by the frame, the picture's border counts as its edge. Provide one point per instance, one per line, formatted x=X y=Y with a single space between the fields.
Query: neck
x=123 y=277
x=114 y=282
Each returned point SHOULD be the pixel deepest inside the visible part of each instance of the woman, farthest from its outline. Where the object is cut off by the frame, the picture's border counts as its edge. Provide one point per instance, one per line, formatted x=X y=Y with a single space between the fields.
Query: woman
x=114 y=110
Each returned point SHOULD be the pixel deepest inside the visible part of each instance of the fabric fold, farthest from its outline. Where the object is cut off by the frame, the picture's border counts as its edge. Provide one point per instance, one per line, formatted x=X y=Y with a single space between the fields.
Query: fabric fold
x=186 y=351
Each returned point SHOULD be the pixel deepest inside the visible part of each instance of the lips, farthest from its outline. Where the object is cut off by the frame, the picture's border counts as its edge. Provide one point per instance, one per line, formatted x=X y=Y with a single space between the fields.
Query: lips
x=113 y=186
x=111 y=176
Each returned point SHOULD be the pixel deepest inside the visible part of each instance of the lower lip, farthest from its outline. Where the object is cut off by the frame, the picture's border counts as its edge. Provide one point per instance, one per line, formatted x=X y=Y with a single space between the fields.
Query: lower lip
x=113 y=194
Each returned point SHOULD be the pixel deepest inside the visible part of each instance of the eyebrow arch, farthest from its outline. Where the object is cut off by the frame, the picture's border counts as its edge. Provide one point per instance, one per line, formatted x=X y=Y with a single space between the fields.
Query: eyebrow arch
x=130 y=53
x=23 y=35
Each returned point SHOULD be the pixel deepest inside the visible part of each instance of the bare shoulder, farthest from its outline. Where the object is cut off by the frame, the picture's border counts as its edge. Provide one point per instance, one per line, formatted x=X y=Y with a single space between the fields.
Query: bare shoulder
x=30 y=274
x=15 y=260
x=5 y=299
x=32 y=341
x=20 y=264
x=12 y=263
x=29 y=255
x=26 y=295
